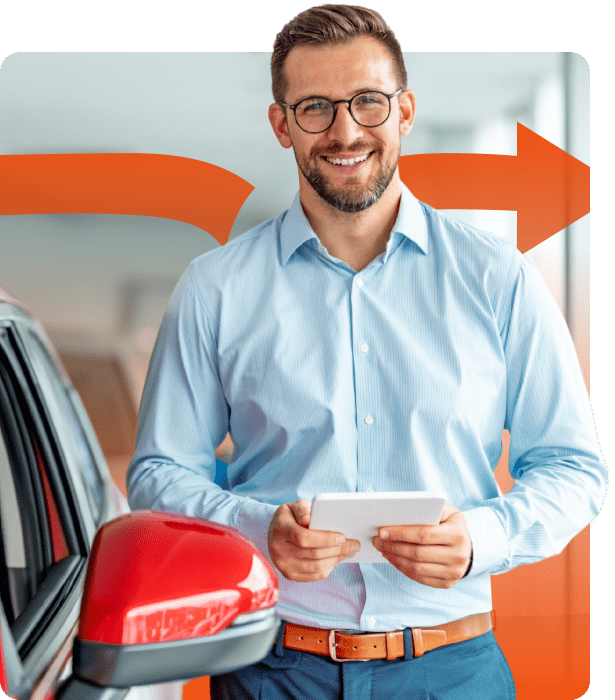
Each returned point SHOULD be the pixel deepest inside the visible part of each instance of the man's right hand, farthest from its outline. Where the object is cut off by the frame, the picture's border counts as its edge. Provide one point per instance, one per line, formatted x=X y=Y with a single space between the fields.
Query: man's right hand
x=301 y=554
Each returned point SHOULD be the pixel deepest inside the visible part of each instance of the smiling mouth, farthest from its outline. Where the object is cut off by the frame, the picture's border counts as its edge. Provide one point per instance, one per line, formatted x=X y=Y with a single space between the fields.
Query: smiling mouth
x=347 y=161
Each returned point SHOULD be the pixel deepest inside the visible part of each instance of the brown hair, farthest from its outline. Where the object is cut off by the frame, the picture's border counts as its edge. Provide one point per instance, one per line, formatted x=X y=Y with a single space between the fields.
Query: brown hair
x=331 y=24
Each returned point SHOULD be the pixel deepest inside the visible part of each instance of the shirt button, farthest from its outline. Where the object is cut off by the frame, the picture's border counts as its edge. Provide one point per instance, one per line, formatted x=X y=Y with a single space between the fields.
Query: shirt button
x=359 y=282
x=364 y=347
x=371 y=623
x=369 y=489
x=369 y=420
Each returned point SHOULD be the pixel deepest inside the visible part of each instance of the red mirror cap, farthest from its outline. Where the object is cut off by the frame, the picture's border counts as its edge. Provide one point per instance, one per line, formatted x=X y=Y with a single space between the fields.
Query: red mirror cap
x=158 y=577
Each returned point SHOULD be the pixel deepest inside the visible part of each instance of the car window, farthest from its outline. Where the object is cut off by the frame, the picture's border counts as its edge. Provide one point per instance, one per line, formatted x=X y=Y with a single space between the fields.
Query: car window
x=103 y=388
x=23 y=570
x=64 y=417
x=26 y=534
x=43 y=546
x=14 y=586
x=58 y=539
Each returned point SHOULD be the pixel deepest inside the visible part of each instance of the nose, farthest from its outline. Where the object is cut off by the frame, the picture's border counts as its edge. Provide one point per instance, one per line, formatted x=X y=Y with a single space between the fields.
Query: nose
x=344 y=128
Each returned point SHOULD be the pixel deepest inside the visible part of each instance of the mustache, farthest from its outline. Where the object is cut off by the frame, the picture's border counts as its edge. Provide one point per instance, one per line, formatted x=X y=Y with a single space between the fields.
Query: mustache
x=336 y=147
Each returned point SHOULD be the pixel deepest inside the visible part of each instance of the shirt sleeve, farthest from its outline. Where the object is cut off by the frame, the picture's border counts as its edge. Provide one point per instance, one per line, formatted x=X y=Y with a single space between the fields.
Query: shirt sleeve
x=182 y=419
x=560 y=478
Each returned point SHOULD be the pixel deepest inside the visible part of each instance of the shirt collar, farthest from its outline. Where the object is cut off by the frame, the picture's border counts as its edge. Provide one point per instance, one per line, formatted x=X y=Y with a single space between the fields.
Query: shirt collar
x=410 y=222
x=295 y=230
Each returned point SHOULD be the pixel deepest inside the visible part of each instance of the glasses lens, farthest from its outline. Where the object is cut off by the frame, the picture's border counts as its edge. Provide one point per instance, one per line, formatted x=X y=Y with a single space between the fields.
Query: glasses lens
x=314 y=114
x=370 y=108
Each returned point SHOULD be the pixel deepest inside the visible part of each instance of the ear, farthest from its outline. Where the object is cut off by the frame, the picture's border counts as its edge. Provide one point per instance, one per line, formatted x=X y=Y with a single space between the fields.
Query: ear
x=279 y=124
x=406 y=108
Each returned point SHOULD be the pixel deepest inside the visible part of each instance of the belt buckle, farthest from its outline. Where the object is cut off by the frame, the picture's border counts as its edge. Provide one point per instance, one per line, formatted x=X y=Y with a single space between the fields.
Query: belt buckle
x=332 y=644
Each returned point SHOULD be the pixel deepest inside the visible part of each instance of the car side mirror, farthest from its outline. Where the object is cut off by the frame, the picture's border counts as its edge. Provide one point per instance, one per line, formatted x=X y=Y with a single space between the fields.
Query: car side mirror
x=168 y=597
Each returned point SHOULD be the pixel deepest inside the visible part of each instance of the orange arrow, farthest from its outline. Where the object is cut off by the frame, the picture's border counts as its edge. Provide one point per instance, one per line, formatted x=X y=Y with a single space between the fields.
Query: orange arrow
x=547 y=187
x=143 y=184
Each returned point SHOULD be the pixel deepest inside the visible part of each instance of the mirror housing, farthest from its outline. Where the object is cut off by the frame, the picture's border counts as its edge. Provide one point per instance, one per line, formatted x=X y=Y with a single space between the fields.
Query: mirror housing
x=168 y=597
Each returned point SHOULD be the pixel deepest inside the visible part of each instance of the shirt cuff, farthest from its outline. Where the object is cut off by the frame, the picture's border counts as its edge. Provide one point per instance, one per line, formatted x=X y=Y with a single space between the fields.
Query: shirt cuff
x=489 y=542
x=252 y=518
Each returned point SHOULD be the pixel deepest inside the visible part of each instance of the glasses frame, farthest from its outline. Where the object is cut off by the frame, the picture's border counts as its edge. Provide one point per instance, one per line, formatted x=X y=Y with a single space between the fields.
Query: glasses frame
x=334 y=104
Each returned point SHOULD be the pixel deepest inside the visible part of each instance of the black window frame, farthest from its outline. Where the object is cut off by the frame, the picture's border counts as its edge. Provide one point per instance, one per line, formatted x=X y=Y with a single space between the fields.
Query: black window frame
x=32 y=345
x=52 y=612
x=37 y=540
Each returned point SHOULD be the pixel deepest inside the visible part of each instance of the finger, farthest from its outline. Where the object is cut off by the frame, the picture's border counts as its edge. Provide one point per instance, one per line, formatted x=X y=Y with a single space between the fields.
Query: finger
x=444 y=534
x=317 y=553
x=349 y=549
x=437 y=554
x=314 y=539
x=447 y=511
x=284 y=528
x=301 y=511
x=310 y=574
x=435 y=575
x=416 y=534
x=302 y=569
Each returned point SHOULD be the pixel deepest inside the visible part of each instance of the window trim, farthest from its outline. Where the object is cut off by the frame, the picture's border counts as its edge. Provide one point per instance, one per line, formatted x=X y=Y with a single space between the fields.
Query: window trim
x=30 y=343
x=38 y=550
x=39 y=615
x=49 y=444
x=53 y=610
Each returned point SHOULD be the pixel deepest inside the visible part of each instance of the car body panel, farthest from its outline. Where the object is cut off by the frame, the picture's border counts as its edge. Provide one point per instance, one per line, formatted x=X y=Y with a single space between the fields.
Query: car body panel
x=72 y=493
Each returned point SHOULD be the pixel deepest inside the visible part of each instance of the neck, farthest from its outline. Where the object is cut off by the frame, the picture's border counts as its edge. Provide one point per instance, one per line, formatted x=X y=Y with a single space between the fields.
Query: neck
x=355 y=238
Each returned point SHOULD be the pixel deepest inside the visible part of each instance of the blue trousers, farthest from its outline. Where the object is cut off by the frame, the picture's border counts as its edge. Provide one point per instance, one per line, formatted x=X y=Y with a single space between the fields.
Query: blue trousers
x=472 y=670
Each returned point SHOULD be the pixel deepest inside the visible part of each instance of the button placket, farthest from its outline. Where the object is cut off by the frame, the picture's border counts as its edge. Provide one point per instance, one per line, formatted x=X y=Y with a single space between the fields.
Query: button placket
x=364 y=382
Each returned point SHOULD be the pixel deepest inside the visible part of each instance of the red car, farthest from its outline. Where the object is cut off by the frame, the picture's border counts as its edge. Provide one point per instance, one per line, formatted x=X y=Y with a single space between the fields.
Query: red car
x=134 y=600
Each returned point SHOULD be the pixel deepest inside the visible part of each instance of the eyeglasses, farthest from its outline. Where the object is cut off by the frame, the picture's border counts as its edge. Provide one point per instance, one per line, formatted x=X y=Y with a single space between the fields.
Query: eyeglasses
x=317 y=114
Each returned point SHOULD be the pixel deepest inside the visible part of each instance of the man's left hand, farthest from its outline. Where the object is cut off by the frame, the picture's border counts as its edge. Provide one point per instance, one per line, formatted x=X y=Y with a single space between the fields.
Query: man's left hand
x=434 y=555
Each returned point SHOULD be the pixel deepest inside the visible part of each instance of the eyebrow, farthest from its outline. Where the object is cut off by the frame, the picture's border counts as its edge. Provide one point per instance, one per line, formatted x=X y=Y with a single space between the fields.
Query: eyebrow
x=358 y=92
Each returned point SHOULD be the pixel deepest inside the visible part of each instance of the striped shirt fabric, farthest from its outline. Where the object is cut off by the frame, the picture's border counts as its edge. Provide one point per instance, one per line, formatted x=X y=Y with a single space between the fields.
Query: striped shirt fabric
x=400 y=377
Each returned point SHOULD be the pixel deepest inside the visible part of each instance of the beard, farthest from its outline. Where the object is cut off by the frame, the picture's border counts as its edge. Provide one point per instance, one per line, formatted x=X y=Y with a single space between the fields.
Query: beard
x=347 y=198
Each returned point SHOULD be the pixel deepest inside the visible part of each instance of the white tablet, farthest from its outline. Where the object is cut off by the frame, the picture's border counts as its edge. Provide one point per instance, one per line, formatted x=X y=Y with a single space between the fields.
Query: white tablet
x=359 y=515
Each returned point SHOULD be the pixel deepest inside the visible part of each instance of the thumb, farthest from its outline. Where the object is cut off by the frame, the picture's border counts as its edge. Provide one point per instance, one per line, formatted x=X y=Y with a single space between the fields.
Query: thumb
x=448 y=511
x=301 y=509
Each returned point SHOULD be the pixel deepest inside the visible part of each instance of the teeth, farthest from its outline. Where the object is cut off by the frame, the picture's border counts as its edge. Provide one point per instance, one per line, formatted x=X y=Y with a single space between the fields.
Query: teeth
x=348 y=161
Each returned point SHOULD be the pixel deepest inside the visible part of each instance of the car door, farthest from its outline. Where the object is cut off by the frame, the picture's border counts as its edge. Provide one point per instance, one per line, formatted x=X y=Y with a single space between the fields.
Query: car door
x=45 y=536
x=55 y=491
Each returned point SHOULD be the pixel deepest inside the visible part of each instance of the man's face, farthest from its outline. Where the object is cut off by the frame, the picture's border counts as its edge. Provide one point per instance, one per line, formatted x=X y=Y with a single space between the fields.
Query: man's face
x=340 y=72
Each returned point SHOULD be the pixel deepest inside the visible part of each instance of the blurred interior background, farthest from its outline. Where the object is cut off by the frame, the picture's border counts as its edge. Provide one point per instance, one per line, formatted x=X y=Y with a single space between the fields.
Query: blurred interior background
x=100 y=283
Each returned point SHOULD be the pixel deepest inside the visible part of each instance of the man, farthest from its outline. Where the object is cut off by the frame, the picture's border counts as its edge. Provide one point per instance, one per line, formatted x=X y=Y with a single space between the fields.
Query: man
x=363 y=342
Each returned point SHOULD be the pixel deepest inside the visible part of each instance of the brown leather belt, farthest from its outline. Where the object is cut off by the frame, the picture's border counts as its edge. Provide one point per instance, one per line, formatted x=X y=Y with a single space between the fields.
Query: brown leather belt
x=382 y=645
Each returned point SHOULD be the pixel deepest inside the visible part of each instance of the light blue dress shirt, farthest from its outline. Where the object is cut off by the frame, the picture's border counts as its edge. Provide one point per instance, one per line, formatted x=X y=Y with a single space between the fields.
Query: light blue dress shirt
x=398 y=378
